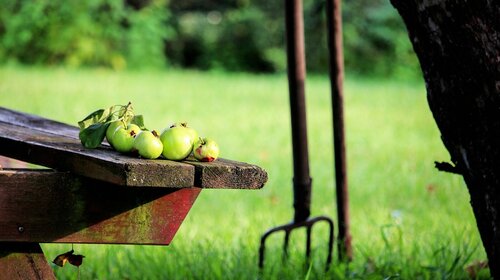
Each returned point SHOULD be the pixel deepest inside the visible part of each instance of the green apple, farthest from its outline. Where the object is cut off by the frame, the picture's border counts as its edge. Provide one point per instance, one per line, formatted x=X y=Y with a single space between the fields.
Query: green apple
x=192 y=132
x=123 y=137
x=205 y=149
x=177 y=142
x=148 y=144
x=111 y=129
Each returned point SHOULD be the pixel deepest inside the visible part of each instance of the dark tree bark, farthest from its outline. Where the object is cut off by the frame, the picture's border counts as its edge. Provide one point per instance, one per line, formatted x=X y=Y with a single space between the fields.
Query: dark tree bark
x=458 y=45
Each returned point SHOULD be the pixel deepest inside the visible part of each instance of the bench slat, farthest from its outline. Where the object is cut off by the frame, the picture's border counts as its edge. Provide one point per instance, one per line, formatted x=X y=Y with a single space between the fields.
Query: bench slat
x=21 y=261
x=224 y=172
x=64 y=153
x=56 y=145
x=35 y=122
x=58 y=207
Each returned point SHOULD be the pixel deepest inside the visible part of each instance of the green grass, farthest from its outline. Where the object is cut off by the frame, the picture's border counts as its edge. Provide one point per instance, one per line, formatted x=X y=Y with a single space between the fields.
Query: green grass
x=408 y=220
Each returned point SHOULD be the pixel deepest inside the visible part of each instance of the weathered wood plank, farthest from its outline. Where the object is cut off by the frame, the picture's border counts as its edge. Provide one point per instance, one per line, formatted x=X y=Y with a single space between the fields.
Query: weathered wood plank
x=36 y=122
x=224 y=173
x=21 y=261
x=41 y=141
x=48 y=206
x=64 y=153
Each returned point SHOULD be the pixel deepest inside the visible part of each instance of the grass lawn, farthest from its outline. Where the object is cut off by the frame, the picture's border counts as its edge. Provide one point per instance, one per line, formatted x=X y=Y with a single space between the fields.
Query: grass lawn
x=409 y=221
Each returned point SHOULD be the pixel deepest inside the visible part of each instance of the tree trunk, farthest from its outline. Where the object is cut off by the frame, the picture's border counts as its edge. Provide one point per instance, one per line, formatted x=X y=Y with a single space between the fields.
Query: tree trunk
x=458 y=45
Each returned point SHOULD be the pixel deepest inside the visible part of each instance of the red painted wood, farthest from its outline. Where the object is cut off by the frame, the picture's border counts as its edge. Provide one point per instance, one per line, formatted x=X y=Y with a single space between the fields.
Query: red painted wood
x=48 y=206
x=21 y=261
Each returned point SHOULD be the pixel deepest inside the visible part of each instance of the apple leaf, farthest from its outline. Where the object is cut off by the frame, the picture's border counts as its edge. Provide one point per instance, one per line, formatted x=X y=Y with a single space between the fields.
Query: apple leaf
x=124 y=109
x=93 y=127
x=90 y=119
x=99 y=116
x=139 y=121
x=109 y=115
x=92 y=136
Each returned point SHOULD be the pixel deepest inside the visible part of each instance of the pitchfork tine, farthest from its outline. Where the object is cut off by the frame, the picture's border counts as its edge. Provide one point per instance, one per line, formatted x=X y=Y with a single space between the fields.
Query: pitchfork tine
x=262 y=247
x=285 y=244
x=308 y=242
x=330 y=243
x=288 y=228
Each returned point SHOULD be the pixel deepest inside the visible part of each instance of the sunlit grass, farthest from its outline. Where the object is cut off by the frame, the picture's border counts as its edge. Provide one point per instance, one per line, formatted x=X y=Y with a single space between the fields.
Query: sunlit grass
x=408 y=220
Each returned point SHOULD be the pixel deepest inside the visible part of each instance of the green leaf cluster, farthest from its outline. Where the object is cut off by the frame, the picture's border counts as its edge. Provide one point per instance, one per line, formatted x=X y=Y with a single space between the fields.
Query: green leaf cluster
x=105 y=33
x=93 y=127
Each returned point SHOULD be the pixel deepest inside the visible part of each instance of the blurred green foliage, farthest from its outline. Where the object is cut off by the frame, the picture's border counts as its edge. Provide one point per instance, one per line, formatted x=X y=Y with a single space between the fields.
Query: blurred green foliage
x=237 y=35
x=83 y=33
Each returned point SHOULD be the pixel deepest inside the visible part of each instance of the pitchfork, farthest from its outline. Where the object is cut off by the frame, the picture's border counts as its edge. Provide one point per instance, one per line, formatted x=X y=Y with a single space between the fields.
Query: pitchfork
x=302 y=180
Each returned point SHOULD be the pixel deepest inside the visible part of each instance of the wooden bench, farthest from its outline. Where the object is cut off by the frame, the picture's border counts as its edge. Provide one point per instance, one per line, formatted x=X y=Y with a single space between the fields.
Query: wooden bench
x=93 y=196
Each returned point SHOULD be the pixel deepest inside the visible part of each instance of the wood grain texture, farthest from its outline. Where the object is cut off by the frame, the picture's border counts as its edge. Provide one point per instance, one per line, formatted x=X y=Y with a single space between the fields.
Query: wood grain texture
x=56 y=145
x=224 y=173
x=65 y=153
x=35 y=122
x=21 y=261
x=47 y=206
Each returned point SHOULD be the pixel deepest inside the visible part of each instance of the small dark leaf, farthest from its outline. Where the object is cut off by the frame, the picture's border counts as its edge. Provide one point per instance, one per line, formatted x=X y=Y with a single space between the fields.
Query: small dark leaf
x=139 y=121
x=61 y=259
x=92 y=136
x=76 y=260
x=474 y=268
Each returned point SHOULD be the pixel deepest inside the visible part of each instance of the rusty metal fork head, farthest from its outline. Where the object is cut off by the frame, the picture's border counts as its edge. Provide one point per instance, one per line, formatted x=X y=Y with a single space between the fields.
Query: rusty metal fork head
x=288 y=228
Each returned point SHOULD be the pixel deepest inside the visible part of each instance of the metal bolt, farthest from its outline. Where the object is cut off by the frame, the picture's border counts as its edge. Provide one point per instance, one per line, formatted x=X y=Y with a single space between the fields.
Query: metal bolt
x=20 y=229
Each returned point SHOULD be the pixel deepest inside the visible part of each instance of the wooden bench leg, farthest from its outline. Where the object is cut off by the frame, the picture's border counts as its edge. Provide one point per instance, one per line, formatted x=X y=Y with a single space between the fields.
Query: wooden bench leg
x=20 y=261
